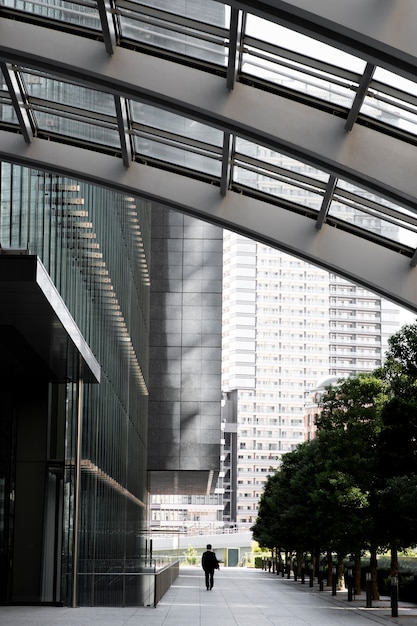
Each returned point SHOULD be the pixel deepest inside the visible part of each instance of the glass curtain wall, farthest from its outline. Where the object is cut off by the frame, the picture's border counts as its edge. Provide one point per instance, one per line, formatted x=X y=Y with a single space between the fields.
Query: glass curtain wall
x=95 y=246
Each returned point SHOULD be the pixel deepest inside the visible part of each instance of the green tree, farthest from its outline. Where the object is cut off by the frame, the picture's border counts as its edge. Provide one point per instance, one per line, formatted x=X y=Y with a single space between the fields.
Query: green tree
x=354 y=486
x=265 y=529
x=400 y=361
x=351 y=420
x=395 y=483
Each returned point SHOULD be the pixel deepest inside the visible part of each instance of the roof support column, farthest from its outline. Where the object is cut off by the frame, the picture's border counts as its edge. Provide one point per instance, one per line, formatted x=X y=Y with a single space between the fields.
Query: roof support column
x=123 y=125
x=235 y=46
x=360 y=95
x=327 y=200
x=228 y=144
x=19 y=100
x=108 y=24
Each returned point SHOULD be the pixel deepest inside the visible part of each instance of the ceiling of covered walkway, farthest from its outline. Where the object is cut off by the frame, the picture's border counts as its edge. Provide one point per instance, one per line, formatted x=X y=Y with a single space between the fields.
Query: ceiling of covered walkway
x=291 y=122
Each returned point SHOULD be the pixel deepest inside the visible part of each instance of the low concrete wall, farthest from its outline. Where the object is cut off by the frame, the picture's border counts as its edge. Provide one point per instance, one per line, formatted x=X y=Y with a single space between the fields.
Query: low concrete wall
x=164 y=579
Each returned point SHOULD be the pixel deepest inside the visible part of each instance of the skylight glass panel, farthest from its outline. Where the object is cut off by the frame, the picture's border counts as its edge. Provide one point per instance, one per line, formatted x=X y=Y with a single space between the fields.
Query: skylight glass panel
x=291 y=40
x=382 y=204
x=52 y=90
x=280 y=160
x=7 y=113
x=277 y=185
x=300 y=63
x=213 y=12
x=179 y=155
x=396 y=104
x=374 y=224
x=374 y=214
x=147 y=115
x=393 y=80
x=182 y=28
x=290 y=74
x=180 y=41
x=82 y=130
x=78 y=13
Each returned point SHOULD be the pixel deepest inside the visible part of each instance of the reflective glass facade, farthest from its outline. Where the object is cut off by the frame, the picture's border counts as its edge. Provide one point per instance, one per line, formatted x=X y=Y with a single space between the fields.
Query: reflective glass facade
x=95 y=245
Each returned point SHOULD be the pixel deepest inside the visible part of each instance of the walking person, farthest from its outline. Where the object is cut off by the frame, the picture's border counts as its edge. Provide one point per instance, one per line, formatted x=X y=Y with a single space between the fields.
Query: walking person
x=209 y=563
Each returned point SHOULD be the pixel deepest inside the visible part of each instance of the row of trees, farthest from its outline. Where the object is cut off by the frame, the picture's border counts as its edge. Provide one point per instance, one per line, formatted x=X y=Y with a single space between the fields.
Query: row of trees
x=353 y=488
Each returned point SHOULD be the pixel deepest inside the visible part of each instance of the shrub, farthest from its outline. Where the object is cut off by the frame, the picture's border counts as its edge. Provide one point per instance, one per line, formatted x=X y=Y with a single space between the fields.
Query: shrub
x=407 y=587
x=191 y=556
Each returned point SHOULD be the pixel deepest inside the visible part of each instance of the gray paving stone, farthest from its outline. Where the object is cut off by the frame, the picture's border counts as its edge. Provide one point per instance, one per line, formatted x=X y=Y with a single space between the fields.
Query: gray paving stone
x=240 y=597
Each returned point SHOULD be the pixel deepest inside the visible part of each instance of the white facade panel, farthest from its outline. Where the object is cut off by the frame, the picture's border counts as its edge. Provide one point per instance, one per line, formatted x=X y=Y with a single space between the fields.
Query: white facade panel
x=308 y=324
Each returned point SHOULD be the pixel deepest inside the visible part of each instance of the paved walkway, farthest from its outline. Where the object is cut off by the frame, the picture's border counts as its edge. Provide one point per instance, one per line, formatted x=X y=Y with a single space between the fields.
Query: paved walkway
x=240 y=597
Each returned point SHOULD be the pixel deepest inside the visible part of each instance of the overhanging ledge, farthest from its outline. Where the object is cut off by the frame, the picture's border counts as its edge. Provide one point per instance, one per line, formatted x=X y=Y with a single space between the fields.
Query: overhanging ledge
x=31 y=304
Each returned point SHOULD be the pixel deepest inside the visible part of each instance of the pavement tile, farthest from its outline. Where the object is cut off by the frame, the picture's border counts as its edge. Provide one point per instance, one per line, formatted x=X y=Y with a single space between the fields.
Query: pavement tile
x=240 y=597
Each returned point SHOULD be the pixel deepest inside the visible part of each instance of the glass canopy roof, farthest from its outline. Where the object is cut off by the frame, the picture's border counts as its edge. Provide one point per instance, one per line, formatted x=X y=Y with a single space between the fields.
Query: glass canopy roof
x=273 y=52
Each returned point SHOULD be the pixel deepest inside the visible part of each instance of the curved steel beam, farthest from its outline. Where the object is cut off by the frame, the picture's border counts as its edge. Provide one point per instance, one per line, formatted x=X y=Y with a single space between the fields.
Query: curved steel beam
x=19 y=101
x=373 y=266
x=365 y=157
x=380 y=31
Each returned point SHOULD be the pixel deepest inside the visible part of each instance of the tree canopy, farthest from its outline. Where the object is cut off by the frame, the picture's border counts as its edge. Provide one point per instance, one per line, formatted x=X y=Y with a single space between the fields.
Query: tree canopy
x=353 y=487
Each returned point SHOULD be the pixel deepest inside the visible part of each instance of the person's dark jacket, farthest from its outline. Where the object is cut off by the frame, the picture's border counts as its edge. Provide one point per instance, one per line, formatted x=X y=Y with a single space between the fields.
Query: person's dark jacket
x=209 y=561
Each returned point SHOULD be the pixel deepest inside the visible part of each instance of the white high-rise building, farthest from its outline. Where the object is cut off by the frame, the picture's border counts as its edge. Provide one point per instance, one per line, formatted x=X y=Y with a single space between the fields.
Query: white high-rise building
x=275 y=347
x=360 y=325
x=288 y=324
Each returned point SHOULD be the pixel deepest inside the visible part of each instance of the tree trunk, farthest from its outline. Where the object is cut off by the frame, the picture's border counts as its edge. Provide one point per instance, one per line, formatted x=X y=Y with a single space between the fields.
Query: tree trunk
x=340 y=572
x=357 y=574
x=329 y=568
x=279 y=561
x=287 y=564
x=374 y=580
x=300 y=557
x=317 y=562
x=313 y=563
x=394 y=561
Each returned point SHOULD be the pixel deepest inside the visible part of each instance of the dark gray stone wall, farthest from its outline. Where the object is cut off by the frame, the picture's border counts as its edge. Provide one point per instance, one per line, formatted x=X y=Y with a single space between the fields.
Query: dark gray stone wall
x=185 y=353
